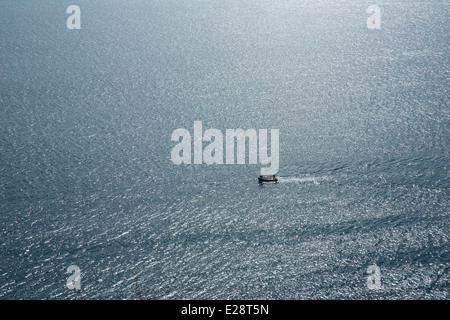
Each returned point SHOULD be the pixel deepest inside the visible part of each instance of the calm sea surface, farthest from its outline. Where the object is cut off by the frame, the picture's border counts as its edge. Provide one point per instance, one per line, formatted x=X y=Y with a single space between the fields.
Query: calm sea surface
x=86 y=177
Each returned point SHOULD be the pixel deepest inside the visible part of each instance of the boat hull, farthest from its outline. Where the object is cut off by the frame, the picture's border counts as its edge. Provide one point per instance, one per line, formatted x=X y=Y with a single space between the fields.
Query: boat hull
x=264 y=179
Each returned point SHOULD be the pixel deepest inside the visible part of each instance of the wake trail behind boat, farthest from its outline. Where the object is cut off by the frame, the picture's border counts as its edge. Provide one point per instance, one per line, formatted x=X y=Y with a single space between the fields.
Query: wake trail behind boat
x=315 y=180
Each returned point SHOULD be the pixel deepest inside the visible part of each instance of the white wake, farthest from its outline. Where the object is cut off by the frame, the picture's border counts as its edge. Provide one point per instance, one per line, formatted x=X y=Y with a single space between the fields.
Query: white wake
x=315 y=180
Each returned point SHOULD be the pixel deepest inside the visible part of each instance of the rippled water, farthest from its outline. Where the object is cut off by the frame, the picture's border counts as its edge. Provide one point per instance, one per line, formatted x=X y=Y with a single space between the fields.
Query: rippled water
x=86 y=177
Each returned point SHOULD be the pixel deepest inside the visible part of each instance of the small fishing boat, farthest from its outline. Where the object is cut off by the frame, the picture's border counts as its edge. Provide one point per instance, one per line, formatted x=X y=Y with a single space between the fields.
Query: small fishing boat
x=262 y=179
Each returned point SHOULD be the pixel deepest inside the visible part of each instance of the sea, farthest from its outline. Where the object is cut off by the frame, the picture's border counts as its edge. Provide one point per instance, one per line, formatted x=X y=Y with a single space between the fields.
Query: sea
x=92 y=207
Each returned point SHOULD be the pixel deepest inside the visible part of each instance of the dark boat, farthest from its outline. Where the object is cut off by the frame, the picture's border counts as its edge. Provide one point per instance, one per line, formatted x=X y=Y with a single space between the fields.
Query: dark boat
x=262 y=179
